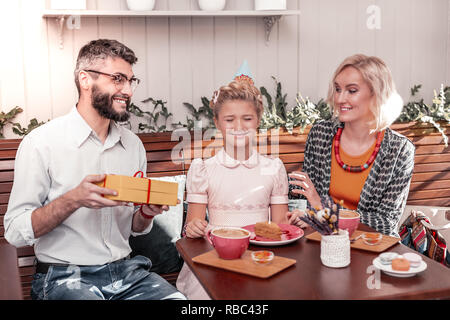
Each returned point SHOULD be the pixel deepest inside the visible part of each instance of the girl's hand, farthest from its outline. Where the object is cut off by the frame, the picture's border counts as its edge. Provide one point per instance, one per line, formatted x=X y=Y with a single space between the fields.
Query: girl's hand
x=196 y=228
x=294 y=218
x=307 y=188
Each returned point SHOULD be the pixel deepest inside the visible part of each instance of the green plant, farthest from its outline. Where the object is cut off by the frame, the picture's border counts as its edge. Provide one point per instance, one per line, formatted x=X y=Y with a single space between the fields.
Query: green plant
x=34 y=123
x=278 y=105
x=6 y=118
x=437 y=111
x=204 y=112
x=159 y=115
x=304 y=113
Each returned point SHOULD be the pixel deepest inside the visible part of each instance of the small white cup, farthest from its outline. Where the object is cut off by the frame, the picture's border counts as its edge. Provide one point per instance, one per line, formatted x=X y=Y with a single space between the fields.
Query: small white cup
x=297 y=204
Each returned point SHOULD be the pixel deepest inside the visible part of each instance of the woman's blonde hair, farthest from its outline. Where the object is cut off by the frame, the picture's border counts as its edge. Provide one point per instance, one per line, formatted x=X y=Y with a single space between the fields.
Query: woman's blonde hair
x=242 y=90
x=387 y=103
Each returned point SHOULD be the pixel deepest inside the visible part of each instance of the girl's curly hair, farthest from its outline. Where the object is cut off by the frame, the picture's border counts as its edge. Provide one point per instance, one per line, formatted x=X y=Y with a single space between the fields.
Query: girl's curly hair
x=237 y=90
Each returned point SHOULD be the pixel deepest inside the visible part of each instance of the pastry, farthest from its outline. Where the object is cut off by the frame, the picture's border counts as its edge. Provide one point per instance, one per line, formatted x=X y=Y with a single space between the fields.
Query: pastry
x=387 y=257
x=400 y=264
x=268 y=230
x=413 y=258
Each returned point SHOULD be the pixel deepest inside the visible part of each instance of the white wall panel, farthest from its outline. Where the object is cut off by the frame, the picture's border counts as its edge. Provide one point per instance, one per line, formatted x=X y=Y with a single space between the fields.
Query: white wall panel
x=184 y=58
x=12 y=73
x=225 y=55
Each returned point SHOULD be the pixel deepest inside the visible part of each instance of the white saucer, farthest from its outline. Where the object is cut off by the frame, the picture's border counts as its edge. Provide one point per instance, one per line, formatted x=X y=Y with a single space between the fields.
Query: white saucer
x=273 y=243
x=291 y=233
x=387 y=268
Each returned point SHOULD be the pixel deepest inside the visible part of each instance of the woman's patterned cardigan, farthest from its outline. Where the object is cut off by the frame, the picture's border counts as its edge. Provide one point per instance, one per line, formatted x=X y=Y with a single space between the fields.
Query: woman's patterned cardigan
x=383 y=197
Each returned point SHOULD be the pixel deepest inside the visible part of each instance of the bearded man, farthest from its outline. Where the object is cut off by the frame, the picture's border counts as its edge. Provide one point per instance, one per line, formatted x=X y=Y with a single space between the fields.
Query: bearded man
x=80 y=238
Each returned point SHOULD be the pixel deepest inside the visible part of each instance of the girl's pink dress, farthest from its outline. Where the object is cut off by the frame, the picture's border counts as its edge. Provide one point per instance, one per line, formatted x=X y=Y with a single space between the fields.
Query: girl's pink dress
x=236 y=193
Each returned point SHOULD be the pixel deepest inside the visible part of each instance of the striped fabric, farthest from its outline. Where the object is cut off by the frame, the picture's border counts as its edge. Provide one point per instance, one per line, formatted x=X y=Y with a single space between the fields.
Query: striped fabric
x=426 y=241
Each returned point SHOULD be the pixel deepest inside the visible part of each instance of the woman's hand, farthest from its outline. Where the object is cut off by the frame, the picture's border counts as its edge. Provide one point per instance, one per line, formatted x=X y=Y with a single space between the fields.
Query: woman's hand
x=307 y=188
x=294 y=218
x=196 y=228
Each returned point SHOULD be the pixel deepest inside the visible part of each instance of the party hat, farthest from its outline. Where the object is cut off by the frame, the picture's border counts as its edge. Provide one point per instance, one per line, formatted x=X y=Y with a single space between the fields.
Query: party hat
x=244 y=73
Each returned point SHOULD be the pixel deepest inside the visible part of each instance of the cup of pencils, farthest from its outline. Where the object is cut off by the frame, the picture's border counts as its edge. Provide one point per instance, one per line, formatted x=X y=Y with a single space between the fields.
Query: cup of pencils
x=335 y=243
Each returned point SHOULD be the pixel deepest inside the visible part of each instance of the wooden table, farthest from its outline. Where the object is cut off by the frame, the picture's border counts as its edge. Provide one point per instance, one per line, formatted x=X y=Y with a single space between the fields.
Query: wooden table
x=10 y=288
x=309 y=279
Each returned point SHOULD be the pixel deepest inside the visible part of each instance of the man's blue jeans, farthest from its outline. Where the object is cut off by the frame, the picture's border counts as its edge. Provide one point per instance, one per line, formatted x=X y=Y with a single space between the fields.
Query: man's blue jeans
x=120 y=280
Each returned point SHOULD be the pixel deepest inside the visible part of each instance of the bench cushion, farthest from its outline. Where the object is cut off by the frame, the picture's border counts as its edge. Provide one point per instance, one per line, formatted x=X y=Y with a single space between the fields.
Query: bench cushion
x=159 y=244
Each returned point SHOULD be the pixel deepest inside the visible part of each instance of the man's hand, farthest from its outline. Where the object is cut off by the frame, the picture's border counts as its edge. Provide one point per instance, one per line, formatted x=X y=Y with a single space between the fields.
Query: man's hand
x=142 y=220
x=88 y=194
x=153 y=209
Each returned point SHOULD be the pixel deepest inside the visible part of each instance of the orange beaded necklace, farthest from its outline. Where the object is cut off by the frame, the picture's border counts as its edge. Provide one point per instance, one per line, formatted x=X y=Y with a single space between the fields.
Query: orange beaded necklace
x=356 y=168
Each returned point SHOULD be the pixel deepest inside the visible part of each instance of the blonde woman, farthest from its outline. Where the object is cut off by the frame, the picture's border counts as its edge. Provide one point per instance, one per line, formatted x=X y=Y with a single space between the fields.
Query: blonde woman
x=355 y=157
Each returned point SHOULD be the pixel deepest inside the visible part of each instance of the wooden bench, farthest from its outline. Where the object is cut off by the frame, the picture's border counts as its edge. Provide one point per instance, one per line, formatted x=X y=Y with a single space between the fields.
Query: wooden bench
x=430 y=183
x=10 y=288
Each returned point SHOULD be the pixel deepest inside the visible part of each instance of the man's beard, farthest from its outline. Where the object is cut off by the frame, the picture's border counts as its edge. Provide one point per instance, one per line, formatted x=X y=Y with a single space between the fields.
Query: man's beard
x=102 y=102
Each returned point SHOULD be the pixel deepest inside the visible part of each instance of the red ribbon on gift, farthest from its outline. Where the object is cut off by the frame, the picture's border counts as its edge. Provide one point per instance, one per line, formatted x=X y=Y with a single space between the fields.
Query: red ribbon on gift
x=104 y=182
x=149 y=184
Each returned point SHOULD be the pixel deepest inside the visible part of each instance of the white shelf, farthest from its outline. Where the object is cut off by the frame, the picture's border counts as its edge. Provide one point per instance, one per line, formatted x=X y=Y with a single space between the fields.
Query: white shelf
x=157 y=13
x=269 y=17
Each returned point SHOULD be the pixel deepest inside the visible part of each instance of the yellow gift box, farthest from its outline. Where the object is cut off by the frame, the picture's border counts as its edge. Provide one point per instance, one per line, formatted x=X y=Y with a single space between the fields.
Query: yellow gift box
x=141 y=190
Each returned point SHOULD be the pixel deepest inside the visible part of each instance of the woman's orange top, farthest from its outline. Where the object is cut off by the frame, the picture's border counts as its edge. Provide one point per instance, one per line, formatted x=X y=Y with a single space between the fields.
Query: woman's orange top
x=346 y=185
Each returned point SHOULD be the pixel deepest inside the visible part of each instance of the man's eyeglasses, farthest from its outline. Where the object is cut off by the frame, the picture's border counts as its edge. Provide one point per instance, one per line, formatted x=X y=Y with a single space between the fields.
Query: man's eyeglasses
x=119 y=79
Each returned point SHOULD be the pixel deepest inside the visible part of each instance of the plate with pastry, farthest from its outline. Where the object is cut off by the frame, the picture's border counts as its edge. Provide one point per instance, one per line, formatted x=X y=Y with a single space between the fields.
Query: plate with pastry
x=273 y=234
x=403 y=266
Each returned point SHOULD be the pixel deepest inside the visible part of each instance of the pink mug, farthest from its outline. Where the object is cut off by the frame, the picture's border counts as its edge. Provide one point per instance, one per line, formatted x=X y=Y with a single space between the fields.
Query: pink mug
x=229 y=242
x=348 y=220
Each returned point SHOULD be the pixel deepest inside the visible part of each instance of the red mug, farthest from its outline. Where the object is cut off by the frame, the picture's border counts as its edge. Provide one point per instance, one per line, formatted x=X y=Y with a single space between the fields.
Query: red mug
x=348 y=220
x=229 y=242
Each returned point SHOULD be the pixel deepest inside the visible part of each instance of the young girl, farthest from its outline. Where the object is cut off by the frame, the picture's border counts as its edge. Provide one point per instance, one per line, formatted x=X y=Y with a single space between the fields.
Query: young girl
x=237 y=185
